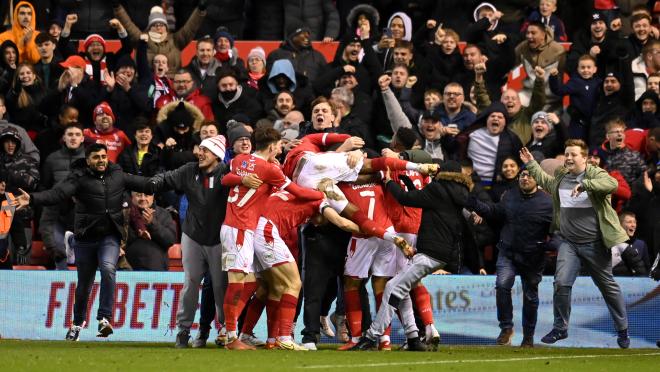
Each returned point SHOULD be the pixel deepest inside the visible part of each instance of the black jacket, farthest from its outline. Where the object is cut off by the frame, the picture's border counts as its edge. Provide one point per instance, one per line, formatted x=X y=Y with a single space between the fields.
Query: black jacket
x=150 y=162
x=99 y=198
x=206 y=206
x=442 y=201
x=526 y=220
x=151 y=255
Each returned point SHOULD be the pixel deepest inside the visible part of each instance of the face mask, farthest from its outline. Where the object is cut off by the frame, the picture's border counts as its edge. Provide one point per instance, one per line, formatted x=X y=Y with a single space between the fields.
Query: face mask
x=156 y=37
x=228 y=95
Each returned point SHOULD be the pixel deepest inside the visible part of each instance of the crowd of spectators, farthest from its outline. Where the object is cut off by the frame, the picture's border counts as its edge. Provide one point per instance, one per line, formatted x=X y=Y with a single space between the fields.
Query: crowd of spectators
x=435 y=76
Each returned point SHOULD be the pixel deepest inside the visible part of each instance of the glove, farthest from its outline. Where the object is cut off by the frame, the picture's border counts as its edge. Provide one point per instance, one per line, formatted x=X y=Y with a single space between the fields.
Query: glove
x=202 y=5
x=22 y=256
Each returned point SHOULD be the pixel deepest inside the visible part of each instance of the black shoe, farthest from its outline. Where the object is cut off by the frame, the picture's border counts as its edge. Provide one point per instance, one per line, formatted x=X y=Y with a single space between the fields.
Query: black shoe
x=182 y=339
x=73 y=334
x=415 y=344
x=505 y=337
x=527 y=341
x=200 y=340
x=105 y=328
x=657 y=343
x=622 y=339
x=554 y=336
x=365 y=344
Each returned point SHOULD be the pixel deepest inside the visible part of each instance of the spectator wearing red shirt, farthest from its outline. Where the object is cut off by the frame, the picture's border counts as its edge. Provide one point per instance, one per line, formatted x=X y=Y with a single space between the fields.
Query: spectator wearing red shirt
x=104 y=132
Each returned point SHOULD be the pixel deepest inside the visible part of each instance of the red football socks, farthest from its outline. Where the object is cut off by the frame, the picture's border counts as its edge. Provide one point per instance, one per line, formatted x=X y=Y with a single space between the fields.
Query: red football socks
x=286 y=314
x=232 y=296
x=353 y=307
x=422 y=300
x=253 y=314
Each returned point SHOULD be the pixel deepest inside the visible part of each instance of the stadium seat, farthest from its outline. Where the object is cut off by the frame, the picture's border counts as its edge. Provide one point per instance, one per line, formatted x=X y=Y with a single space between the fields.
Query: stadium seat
x=29 y=267
x=174 y=255
x=39 y=255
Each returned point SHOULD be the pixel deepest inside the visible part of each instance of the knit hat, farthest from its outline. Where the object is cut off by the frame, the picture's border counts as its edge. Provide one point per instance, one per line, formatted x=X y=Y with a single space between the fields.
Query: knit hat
x=216 y=145
x=12 y=133
x=542 y=115
x=74 y=61
x=103 y=108
x=92 y=38
x=237 y=131
x=597 y=16
x=295 y=28
x=450 y=166
x=156 y=15
x=223 y=32
x=259 y=53
x=180 y=117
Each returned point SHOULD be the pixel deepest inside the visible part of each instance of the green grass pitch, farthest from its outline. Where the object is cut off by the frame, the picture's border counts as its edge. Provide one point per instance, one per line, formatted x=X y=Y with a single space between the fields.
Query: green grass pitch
x=125 y=356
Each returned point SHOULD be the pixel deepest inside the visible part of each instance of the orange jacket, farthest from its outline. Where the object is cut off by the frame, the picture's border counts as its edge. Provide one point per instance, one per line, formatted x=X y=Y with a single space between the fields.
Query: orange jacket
x=27 y=52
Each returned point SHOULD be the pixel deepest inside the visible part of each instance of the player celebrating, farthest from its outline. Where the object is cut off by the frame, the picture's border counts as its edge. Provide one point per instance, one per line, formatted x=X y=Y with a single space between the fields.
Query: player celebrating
x=243 y=209
x=276 y=263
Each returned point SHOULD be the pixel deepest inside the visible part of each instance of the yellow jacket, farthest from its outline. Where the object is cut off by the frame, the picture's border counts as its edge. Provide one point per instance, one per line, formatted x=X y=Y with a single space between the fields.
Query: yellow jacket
x=27 y=52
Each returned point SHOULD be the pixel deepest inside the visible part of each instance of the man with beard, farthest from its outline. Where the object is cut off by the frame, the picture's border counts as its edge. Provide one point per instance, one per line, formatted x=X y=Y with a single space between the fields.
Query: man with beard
x=526 y=214
x=203 y=66
x=186 y=89
x=98 y=187
x=589 y=228
x=104 y=132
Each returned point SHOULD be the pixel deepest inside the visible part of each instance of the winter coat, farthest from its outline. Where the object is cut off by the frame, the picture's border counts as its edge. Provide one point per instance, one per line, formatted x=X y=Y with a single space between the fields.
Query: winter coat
x=172 y=46
x=150 y=162
x=207 y=84
x=442 y=202
x=182 y=152
x=128 y=105
x=242 y=103
x=196 y=98
x=206 y=206
x=630 y=163
x=582 y=43
x=583 y=93
x=303 y=93
x=151 y=254
x=645 y=120
x=598 y=185
x=306 y=61
x=525 y=220
x=99 y=199
x=320 y=16
x=55 y=71
x=92 y=17
x=27 y=147
x=646 y=206
x=27 y=52
x=29 y=117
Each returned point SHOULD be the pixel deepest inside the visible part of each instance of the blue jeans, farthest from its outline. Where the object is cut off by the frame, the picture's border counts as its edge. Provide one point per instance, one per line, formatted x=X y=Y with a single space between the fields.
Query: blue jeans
x=90 y=255
x=597 y=259
x=530 y=278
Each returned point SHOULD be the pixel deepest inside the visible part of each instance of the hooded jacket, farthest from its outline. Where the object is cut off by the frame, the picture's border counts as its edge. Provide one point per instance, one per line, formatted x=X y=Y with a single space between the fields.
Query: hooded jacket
x=599 y=186
x=99 y=198
x=27 y=52
x=370 y=13
x=181 y=153
x=645 y=120
x=6 y=71
x=299 y=85
x=442 y=202
x=386 y=56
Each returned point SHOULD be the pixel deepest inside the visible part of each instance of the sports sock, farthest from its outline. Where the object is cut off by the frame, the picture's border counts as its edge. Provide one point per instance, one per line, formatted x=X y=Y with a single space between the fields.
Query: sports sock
x=272 y=307
x=253 y=314
x=232 y=296
x=286 y=313
x=422 y=300
x=353 y=308
x=248 y=290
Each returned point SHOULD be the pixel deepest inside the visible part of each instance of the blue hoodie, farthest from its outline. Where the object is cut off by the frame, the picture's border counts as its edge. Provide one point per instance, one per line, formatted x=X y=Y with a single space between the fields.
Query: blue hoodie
x=282 y=66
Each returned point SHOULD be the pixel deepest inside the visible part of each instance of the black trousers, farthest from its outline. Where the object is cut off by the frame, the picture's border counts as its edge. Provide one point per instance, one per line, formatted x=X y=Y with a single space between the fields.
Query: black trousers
x=323 y=250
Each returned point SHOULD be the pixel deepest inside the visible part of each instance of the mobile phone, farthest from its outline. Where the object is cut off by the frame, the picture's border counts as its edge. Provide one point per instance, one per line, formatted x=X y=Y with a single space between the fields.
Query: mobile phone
x=452 y=125
x=387 y=32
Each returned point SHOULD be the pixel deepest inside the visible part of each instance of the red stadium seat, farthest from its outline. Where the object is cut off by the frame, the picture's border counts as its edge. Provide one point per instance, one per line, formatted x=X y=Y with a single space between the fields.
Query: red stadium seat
x=39 y=255
x=29 y=267
x=174 y=254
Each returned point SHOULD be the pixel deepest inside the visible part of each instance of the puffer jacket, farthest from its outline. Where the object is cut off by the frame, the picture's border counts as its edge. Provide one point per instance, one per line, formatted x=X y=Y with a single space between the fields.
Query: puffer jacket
x=442 y=202
x=320 y=16
x=99 y=198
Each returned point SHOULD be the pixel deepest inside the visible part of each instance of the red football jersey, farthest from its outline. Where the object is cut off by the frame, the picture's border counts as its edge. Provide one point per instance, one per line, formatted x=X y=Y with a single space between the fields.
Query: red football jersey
x=405 y=219
x=370 y=199
x=288 y=212
x=244 y=204
x=116 y=141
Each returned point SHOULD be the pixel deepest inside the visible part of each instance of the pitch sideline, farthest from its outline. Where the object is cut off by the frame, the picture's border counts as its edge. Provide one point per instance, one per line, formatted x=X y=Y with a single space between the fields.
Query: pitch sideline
x=455 y=361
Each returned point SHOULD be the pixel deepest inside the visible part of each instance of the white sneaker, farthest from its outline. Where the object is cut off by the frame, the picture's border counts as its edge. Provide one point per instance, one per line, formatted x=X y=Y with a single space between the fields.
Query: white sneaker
x=70 y=254
x=250 y=339
x=310 y=346
x=326 y=329
x=432 y=337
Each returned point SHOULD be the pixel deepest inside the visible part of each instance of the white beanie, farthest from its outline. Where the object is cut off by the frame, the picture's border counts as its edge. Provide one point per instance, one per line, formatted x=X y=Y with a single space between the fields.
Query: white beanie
x=216 y=145
x=156 y=15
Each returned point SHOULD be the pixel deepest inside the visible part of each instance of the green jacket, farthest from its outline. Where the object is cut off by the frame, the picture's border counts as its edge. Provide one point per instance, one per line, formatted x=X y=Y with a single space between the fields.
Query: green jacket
x=599 y=186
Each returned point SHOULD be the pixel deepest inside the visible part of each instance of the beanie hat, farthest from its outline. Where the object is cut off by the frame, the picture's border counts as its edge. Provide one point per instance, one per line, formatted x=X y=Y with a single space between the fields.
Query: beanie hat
x=259 y=53
x=223 y=32
x=180 y=117
x=294 y=29
x=103 y=108
x=541 y=115
x=216 y=145
x=156 y=15
x=92 y=38
x=237 y=131
x=450 y=166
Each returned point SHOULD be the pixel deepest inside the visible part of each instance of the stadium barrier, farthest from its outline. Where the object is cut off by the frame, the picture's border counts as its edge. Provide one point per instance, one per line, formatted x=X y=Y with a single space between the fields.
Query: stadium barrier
x=38 y=305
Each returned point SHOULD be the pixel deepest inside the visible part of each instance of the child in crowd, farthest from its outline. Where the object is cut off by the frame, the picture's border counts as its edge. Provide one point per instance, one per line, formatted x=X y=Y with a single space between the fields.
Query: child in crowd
x=582 y=87
x=545 y=14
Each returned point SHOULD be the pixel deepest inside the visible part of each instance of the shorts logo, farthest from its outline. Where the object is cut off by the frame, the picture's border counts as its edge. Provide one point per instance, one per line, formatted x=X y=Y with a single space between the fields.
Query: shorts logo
x=269 y=257
x=230 y=260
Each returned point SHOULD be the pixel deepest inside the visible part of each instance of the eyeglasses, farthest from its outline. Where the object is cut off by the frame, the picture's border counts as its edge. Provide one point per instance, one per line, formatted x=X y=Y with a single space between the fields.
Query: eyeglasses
x=452 y=94
x=525 y=175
